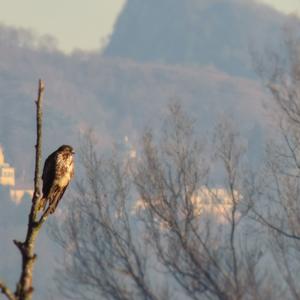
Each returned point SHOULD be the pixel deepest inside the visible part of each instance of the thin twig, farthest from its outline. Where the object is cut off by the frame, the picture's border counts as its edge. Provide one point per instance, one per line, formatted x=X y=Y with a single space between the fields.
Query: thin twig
x=7 y=292
x=264 y=221
x=44 y=216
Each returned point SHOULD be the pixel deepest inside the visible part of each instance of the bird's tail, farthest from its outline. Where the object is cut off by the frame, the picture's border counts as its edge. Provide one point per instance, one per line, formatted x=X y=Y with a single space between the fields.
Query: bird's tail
x=42 y=203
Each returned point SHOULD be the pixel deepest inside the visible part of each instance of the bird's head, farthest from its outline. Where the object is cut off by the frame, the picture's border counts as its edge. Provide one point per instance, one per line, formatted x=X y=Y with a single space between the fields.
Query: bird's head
x=66 y=148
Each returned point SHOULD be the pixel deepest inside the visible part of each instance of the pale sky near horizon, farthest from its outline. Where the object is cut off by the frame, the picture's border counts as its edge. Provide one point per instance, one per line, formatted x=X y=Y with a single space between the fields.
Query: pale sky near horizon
x=80 y=24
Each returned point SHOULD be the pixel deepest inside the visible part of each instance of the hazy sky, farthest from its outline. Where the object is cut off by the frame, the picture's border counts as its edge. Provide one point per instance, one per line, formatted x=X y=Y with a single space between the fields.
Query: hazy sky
x=75 y=23
x=78 y=23
x=287 y=6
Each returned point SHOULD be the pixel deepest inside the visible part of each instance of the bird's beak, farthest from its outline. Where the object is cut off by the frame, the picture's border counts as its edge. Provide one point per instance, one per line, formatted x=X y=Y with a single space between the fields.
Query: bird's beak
x=73 y=152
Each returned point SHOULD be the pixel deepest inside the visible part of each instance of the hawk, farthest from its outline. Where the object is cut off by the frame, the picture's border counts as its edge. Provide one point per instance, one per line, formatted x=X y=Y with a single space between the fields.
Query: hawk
x=57 y=174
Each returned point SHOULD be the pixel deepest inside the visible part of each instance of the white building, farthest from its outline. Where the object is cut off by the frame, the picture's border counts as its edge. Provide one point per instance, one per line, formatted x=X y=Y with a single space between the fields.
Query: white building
x=7 y=178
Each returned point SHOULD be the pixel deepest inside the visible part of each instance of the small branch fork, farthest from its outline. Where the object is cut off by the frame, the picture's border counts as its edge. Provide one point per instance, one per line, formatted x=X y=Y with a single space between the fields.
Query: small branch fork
x=7 y=292
x=24 y=288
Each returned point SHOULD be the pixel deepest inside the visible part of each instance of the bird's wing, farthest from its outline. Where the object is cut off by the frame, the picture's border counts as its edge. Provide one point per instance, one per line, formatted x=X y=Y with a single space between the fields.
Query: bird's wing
x=62 y=193
x=49 y=173
x=55 y=198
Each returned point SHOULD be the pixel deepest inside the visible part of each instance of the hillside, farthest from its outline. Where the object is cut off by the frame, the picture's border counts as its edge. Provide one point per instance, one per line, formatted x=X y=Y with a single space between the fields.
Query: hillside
x=201 y=62
x=201 y=32
x=115 y=97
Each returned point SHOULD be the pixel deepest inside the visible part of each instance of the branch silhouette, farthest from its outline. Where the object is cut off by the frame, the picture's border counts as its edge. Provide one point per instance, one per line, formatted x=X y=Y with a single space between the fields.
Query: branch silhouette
x=25 y=288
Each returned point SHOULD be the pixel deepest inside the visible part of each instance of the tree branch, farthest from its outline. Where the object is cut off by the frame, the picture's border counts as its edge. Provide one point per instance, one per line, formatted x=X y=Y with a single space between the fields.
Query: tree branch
x=264 y=221
x=7 y=292
x=24 y=286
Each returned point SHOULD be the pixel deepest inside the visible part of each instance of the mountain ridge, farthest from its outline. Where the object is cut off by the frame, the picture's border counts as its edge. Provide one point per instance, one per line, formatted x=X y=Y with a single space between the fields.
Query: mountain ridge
x=217 y=32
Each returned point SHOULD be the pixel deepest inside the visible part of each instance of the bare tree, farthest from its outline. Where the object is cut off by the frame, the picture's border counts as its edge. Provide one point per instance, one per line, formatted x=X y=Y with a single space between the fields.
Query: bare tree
x=279 y=205
x=138 y=228
x=202 y=254
x=105 y=256
x=25 y=288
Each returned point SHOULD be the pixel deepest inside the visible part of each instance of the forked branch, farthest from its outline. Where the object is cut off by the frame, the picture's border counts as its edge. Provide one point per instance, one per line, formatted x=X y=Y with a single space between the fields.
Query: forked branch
x=24 y=287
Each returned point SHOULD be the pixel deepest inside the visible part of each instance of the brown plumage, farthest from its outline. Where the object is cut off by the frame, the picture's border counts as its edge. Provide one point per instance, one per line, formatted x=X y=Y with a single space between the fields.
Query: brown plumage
x=57 y=174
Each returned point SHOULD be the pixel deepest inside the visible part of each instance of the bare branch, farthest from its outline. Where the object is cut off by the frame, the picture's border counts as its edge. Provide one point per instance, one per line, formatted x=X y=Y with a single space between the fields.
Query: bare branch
x=24 y=286
x=267 y=223
x=7 y=292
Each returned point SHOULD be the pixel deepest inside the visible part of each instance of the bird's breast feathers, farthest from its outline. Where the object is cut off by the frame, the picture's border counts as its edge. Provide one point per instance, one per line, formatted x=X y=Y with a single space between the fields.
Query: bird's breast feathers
x=64 y=170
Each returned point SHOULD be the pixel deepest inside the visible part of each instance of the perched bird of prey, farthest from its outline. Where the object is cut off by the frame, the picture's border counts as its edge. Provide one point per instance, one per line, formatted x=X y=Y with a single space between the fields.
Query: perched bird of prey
x=57 y=174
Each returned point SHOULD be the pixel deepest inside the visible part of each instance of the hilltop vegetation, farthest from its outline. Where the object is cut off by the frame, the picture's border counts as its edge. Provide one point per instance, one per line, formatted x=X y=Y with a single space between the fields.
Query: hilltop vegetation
x=115 y=97
x=209 y=32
